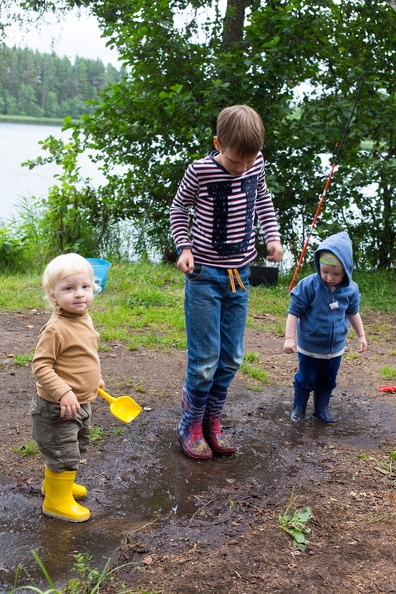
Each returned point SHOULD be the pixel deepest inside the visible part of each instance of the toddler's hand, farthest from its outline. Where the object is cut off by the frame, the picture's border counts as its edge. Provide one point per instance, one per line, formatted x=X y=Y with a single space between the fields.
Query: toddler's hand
x=362 y=344
x=70 y=407
x=289 y=346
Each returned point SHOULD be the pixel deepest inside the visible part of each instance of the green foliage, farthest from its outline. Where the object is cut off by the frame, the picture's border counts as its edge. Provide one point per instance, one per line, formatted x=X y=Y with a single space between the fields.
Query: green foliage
x=384 y=465
x=251 y=366
x=23 y=360
x=28 y=449
x=97 y=434
x=88 y=576
x=185 y=61
x=388 y=372
x=88 y=581
x=15 y=250
x=21 y=569
x=45 y=85
x=74 y=216
x=294 y=522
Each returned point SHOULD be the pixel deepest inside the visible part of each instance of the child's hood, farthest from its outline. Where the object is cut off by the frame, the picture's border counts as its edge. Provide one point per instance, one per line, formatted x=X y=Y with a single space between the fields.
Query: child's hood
x=339 y=245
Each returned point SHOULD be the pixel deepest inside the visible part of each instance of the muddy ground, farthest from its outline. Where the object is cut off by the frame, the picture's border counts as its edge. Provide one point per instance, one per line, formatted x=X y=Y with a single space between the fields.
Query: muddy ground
x=218 y=530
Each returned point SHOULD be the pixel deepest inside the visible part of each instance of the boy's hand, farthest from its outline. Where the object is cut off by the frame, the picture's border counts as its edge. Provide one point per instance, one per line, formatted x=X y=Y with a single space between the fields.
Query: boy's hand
x=275 y=251
x=186 y=261
x=289 y=346
x=70 y=406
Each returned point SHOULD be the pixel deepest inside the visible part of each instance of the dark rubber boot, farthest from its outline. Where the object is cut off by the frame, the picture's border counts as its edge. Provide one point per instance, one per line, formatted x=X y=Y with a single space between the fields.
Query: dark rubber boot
x=299 y=406
x=321 y=403
x=189 y=430
x=218 y=442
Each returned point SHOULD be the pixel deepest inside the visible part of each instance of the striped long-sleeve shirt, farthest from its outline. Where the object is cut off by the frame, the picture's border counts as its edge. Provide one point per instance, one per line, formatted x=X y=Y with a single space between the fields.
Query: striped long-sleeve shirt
x=224 y=208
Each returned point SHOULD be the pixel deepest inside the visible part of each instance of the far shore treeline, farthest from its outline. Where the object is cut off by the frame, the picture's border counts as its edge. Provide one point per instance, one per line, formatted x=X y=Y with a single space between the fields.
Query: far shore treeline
x=42 y=85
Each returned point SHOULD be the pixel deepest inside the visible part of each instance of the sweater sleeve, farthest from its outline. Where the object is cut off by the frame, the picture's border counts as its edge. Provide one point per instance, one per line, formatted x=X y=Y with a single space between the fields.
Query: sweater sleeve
x=49 y=345
x=266 y=212
x=181 y=208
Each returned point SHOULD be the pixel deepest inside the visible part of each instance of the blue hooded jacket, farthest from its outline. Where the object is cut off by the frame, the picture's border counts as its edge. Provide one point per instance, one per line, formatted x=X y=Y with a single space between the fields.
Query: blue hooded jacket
x=323 y=323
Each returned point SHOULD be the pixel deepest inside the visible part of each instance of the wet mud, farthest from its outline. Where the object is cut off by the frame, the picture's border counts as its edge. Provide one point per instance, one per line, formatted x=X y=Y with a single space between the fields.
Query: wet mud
x=142 y=477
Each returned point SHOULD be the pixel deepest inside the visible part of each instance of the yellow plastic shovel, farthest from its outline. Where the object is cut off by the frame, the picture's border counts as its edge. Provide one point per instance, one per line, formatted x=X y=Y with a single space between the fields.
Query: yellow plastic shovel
x=124 y=407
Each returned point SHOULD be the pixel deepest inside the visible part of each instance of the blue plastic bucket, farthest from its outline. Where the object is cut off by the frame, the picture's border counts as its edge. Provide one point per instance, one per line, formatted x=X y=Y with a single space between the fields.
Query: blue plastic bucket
x=100 y=268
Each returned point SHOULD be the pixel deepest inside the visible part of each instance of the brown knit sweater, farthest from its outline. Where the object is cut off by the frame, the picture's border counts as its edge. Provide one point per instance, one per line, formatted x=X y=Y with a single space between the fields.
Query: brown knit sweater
x=66 y=357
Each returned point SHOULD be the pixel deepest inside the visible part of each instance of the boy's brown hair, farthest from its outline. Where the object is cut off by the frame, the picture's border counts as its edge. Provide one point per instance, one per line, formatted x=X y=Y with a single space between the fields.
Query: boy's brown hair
x=241 y=129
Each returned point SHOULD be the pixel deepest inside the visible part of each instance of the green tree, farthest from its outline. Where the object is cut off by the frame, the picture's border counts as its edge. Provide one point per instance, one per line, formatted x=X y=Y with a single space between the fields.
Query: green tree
x=187 y=60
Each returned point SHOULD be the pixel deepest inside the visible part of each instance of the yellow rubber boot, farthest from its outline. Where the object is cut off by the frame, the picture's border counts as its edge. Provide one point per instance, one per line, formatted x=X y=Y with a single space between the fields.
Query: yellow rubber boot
x=59 y=501
x=78 y=491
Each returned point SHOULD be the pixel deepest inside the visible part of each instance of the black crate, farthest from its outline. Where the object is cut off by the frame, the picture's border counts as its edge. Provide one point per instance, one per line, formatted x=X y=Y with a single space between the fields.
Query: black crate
x=263 y=275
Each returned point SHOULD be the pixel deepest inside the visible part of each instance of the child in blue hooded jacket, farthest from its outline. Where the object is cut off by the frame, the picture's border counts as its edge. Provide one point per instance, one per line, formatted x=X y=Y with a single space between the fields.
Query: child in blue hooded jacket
x=321 y=307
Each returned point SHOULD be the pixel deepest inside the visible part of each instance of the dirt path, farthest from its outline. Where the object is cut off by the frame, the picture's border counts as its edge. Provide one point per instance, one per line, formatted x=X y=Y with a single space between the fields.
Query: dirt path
x=224 y=535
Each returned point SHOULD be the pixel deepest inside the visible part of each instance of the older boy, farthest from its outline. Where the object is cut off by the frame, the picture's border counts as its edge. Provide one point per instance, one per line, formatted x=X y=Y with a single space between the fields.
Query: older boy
x=224 y=190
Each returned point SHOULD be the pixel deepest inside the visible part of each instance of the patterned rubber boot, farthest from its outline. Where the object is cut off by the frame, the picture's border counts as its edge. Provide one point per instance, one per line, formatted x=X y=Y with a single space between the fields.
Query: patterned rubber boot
x=218 y=442
x=297 y=415
x=189 y=430
x=321 y=411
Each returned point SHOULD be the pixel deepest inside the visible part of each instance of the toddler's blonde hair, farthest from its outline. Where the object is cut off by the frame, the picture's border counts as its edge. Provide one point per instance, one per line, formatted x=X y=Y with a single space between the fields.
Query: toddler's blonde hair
x=241 y=129
x=66 y=265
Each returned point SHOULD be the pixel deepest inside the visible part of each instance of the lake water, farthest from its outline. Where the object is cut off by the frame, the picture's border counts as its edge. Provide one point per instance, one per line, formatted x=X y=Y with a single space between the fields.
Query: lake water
x=18 y=143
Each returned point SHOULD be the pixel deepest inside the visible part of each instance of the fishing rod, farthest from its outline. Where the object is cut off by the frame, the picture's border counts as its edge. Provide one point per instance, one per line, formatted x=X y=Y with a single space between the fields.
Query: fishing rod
x=328 y=182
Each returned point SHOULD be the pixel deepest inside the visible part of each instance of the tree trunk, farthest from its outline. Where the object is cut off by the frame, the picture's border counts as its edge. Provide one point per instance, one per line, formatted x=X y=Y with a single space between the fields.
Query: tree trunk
x=233 y=23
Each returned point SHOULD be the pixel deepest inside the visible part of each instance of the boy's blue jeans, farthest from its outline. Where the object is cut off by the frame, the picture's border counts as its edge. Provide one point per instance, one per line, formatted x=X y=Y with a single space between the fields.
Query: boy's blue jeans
x=316 y=374
x=215 y=325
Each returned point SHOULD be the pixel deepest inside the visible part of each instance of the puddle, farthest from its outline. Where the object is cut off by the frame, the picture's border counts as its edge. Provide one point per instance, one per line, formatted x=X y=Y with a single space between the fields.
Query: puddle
x=153 y=481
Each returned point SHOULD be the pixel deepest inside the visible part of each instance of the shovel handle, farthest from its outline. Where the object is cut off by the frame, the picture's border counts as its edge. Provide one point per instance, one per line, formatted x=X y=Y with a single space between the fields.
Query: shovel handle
x=106 y=396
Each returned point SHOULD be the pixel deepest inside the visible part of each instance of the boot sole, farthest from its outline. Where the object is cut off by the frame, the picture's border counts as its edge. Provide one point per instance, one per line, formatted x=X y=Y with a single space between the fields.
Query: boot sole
x=221 y=454
x=60 y=517
x=335 y=422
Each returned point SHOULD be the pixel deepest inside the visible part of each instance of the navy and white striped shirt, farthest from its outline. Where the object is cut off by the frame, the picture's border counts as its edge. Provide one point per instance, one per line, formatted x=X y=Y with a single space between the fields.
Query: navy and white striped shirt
x=224 y=208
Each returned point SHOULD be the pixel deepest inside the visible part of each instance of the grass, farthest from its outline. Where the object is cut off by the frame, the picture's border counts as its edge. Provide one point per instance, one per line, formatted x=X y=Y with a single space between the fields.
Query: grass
x=87 y=581
x=28 y=449
x=97 y=434
x=142 y=305
x=23 y=360
x=388 y=372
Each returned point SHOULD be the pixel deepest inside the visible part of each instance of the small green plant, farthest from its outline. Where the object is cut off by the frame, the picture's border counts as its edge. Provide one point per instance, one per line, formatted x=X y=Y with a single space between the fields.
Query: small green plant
x=87 y=578
x=252 y=357
x=87 y=582
x=384 y=465
x=388 y=372
x=21 y=569
x=119 y=431
x=28 y=449
x=23 y=360
x=294 y=522
x=97 y=434
x=255 y=372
